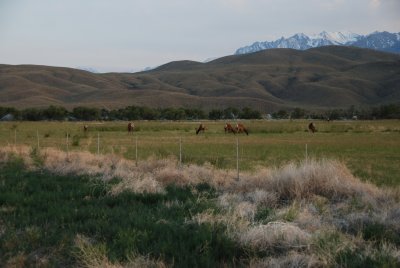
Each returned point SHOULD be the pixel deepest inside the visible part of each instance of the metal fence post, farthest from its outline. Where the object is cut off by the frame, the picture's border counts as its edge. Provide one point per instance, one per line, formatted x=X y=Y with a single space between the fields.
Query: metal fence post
x=136 y=151
x=306 y=153
x=237 y=157
x=67 y=145
x=180 y=151
x=37 y=135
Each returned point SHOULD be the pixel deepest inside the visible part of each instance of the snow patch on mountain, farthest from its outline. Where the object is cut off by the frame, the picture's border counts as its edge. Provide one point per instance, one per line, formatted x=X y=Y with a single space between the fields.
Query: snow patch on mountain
x=384 y=41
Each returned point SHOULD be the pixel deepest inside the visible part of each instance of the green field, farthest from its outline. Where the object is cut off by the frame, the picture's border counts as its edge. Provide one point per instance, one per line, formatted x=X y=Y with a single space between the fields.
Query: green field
x=161 y=214
x=371 y=149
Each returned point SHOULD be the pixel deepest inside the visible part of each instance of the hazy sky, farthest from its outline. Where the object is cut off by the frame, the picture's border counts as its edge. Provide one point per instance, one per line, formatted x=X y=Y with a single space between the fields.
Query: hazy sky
x=129 y=35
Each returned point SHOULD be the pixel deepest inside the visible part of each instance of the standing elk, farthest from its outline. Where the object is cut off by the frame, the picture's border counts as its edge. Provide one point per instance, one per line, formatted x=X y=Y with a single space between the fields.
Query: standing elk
x=131 y=126
x=240 y=128
x=201 y=128
x=312 y=128
x=85 y=128
x=228 y=128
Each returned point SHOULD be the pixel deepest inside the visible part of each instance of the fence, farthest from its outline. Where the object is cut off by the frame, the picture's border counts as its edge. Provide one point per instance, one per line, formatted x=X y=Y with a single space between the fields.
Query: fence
x=223 y=151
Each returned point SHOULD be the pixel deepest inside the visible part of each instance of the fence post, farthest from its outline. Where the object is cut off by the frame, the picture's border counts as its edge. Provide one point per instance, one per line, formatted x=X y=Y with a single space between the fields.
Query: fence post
x=37 y=135
x=67 y=146
x=98 y=143
x=15 y=137
x=306 y=153
x=136 y=153
x=180 y=151
x=237 y=157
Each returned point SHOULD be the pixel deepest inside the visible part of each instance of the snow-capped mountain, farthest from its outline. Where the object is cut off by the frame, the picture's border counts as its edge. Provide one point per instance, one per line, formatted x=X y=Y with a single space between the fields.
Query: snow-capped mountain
x=378 y=40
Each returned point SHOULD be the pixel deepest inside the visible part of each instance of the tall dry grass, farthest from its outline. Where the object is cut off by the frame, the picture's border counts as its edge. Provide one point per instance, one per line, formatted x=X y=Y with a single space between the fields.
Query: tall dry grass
x=307 y=200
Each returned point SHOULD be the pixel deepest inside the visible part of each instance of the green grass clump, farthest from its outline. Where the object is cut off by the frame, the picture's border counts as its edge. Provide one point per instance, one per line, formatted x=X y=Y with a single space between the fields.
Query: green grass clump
x=43 y=213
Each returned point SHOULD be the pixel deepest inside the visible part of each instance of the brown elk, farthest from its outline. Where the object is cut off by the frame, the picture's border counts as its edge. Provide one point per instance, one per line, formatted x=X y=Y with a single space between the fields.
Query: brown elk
x=241 y=128
x=201 y=128
x=85 y=128
x=228 y=128
x=312 y=128
x=131 y=126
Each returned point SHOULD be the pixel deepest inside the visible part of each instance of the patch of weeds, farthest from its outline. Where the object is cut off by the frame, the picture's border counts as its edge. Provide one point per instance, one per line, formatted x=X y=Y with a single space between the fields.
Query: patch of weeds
x=380 y=233
x=292 y=212
x=218 y=162
x=76 y=140
x=320 y=203
x=363 y=259
x=36 y=157
x=356 y=204
x=263 y=213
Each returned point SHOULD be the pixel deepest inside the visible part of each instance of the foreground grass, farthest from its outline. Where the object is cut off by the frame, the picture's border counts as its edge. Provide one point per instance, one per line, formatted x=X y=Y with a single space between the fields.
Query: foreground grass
x=42 y=214
x=80 y=209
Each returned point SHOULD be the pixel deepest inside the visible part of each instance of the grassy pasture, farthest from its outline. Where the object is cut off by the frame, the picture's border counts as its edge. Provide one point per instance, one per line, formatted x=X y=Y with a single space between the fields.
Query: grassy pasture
x=371 y=149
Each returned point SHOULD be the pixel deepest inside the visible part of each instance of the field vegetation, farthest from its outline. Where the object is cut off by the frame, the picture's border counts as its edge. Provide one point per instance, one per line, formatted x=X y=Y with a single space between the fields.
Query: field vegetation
x=371 y=149
x=70 y=206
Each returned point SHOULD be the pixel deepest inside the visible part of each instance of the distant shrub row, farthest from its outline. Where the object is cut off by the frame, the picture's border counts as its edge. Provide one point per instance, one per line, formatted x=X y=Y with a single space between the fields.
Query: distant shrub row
x=390 y=111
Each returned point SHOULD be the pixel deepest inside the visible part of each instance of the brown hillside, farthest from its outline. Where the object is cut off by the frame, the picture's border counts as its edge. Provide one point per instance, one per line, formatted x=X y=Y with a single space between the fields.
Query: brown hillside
x=325 y=77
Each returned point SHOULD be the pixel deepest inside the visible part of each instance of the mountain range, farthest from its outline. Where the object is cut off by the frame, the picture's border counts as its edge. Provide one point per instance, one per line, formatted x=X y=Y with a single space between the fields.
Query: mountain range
x=383 y=41
x=319 y=78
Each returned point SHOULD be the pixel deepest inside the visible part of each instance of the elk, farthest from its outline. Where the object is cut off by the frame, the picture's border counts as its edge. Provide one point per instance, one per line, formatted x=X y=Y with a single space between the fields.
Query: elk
x=131 y=126
x=201 y=128
x=311 y=127
x=85 y=128
x=240 y=128
x=228 y=128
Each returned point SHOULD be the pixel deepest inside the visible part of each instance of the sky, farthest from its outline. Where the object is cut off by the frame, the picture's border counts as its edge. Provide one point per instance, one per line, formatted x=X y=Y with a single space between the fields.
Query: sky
x=130 y=35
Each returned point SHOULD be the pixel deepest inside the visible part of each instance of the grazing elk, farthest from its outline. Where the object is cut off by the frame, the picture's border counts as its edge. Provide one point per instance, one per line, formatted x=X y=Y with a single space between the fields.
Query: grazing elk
x=240 y=128
x=201 y=128
x=228 y=128
x=85 y=128
x=312 y=128
x=131 y=126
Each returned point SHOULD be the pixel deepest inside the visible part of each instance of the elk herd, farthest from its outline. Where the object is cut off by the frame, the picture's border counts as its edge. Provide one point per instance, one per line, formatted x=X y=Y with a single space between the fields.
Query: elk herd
x=228 y=128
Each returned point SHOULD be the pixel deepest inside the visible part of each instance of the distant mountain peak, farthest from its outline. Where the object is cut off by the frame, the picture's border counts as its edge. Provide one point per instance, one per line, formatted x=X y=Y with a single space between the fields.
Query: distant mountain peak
x=384 y=41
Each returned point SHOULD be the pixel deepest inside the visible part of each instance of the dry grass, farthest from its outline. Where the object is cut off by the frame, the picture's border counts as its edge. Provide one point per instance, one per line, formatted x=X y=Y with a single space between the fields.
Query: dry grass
x=275 y=235
x=291 y=260
x=311 y=202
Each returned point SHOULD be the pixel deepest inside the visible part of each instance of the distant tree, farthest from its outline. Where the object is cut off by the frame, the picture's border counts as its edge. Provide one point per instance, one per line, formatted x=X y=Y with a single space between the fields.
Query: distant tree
x=55 y=113
x=215 y=114
x=86 y=113
x=231 y=113
x=173 y=114
x=298 y=113
x=281 y=114
x=248 y=113
x=149 y=113
x=195 y=114
x=32 y=114
x=9 y=110
x=390 y=111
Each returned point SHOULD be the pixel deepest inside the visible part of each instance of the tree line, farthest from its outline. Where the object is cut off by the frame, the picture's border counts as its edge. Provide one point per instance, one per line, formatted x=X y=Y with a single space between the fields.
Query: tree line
x=389 y=111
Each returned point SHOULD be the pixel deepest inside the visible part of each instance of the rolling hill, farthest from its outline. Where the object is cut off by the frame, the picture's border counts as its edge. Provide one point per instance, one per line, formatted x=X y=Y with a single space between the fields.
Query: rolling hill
x=317 y=78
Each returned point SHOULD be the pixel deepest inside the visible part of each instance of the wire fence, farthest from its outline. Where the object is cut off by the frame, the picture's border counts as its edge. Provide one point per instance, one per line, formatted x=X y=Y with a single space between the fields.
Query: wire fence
x=223 y=151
